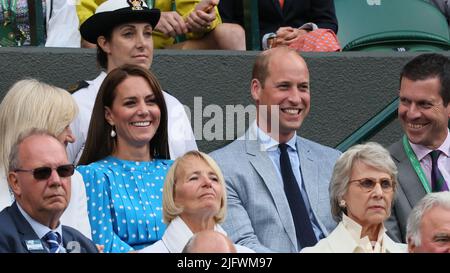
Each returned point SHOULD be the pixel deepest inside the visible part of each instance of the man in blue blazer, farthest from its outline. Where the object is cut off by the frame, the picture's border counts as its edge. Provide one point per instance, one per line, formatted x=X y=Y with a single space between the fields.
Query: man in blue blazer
x=263 y=211
x=39 y=176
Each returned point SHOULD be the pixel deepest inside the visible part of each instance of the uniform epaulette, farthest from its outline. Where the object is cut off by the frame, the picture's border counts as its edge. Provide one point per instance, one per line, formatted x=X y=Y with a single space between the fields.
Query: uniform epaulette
x=77 y=86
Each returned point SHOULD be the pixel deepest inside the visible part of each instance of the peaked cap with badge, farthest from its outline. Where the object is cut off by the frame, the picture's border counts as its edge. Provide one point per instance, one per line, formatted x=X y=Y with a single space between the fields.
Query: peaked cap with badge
x=115 y=12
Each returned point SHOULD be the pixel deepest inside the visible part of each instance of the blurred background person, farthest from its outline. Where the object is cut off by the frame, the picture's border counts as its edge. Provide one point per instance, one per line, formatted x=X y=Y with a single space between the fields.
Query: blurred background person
x=30 y=104
x=428 y=228
x=362 y=188
x=184 y=24
x=124 y=36
x=287 y=19
x=20 y=24
x=194 y=200
x=124 y=175
x=39 y=175
x=443 y=6
x=209 y=241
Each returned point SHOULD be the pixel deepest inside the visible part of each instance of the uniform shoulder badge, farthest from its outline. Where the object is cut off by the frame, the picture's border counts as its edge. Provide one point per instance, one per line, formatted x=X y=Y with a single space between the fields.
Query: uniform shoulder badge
x=77 y=86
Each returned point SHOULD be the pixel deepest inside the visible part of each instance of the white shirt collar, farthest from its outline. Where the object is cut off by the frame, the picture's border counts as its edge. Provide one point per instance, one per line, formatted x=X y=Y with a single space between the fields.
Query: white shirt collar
x=39 y=228
x=267 y=142
x=364 y=243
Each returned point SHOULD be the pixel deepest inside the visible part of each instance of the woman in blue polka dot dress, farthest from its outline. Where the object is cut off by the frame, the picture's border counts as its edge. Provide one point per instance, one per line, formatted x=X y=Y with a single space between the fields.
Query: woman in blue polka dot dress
x=125 y=161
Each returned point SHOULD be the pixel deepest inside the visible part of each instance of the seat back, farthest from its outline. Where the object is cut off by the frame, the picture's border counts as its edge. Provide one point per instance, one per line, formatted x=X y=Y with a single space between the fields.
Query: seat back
x=391 y=25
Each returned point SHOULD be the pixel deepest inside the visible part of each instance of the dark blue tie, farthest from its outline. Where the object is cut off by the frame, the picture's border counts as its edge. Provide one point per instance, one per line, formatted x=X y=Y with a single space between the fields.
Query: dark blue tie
x=303 y=226
x=53 y=240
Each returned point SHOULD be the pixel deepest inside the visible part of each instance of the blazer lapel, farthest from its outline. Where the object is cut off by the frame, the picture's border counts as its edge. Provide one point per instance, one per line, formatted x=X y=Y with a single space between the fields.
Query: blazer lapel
x=25 y=230
x=264 y=167
x=309 y=171
x=410 y=183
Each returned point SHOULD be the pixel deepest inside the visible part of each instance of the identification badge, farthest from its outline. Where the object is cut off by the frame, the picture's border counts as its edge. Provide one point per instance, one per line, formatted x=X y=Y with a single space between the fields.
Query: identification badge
x=33 y=245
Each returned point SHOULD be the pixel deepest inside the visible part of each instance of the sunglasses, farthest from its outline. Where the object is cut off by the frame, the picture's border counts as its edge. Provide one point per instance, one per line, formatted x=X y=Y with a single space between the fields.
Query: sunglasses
x=43 y=173
x=368 y=184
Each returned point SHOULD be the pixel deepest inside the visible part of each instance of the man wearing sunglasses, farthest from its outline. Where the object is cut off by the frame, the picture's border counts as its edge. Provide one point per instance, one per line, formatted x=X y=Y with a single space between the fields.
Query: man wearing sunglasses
x=39 y=176
x=422 y=155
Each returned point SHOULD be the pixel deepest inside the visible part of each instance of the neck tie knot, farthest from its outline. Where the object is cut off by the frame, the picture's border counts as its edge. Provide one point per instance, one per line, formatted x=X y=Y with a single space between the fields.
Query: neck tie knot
x=53 y=240
x=435 y=155
x=283 y=147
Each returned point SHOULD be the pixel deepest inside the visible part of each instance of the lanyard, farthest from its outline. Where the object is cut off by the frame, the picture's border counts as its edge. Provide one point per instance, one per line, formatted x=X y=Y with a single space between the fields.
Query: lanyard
x=415 y=163
x=150 y=4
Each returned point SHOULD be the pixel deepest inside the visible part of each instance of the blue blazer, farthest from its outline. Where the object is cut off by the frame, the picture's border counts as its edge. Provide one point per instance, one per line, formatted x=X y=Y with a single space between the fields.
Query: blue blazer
x=15 y=231
x=258 y=214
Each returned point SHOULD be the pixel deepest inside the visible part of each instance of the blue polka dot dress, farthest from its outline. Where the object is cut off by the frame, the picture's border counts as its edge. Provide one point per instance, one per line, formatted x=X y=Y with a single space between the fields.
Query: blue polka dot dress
x=125 y=202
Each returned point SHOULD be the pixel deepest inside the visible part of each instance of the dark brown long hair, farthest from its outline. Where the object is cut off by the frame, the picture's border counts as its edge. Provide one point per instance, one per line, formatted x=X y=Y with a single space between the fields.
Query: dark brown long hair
x=99 y=143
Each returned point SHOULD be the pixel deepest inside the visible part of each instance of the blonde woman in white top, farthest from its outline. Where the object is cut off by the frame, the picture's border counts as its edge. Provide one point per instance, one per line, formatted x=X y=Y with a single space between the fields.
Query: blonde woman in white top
x=362 y=189
x=33 y=104
x=194 y=200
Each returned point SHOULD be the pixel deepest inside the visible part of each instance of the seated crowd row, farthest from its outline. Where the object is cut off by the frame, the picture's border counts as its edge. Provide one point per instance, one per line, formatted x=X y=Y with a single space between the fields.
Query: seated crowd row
x=141 y=186
x=184 y=24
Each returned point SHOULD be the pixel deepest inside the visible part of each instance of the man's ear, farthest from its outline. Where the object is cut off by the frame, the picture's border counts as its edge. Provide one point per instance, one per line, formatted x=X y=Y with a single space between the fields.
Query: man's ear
x=103 y=44
x=108 y=116
x=13 y=183
x=256 y=89
x=411 y=246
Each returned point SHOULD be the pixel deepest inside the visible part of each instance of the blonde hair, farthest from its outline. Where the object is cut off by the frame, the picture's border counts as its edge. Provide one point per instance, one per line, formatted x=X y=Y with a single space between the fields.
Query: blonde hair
x=30 y=104
x=170 y=209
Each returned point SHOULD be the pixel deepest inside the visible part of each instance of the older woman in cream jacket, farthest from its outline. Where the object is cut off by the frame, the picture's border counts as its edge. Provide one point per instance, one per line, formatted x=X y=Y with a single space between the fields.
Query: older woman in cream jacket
x=362 y=189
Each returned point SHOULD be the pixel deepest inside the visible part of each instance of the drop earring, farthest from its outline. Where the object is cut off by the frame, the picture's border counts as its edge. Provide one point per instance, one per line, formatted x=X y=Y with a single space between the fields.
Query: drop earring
x=113 y=133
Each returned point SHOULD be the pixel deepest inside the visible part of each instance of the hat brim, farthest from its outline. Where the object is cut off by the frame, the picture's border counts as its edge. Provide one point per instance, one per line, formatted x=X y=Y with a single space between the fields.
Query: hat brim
x=100 y=23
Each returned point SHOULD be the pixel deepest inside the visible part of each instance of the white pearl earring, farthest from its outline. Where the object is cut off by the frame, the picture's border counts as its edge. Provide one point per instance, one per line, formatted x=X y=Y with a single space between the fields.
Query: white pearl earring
x=113 y=133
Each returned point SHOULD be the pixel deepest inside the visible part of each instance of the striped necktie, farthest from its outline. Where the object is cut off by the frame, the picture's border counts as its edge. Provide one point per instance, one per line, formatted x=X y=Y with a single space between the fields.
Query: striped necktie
x=437 y=180
x=53 y=240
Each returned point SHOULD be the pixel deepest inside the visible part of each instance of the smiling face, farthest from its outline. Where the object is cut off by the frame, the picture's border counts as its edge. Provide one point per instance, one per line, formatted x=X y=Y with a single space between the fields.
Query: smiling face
x=367 y=208
x=41 y=198
x=286 y=86
x=134 y=114
x=198 y=189
x=422 y=114
x=130 y=43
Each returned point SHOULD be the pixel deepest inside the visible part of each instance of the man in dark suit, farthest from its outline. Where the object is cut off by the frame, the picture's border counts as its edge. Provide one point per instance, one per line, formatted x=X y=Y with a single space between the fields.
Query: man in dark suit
x=287 y=18
x=39 y=176
x=422 y=156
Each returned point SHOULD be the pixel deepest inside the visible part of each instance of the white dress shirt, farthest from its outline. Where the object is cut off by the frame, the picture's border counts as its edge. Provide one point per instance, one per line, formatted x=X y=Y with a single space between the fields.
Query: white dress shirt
x=176 y=237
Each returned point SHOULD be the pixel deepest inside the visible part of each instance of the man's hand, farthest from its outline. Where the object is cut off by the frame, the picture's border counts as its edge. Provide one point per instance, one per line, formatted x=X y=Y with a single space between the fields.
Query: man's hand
x=202 y=16
x=171 y=24
x=286 y=35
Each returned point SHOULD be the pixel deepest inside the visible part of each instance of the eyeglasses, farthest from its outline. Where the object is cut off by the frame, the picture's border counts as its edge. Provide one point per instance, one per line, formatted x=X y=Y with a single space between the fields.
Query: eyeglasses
x=43 y=173
x=368 y=184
